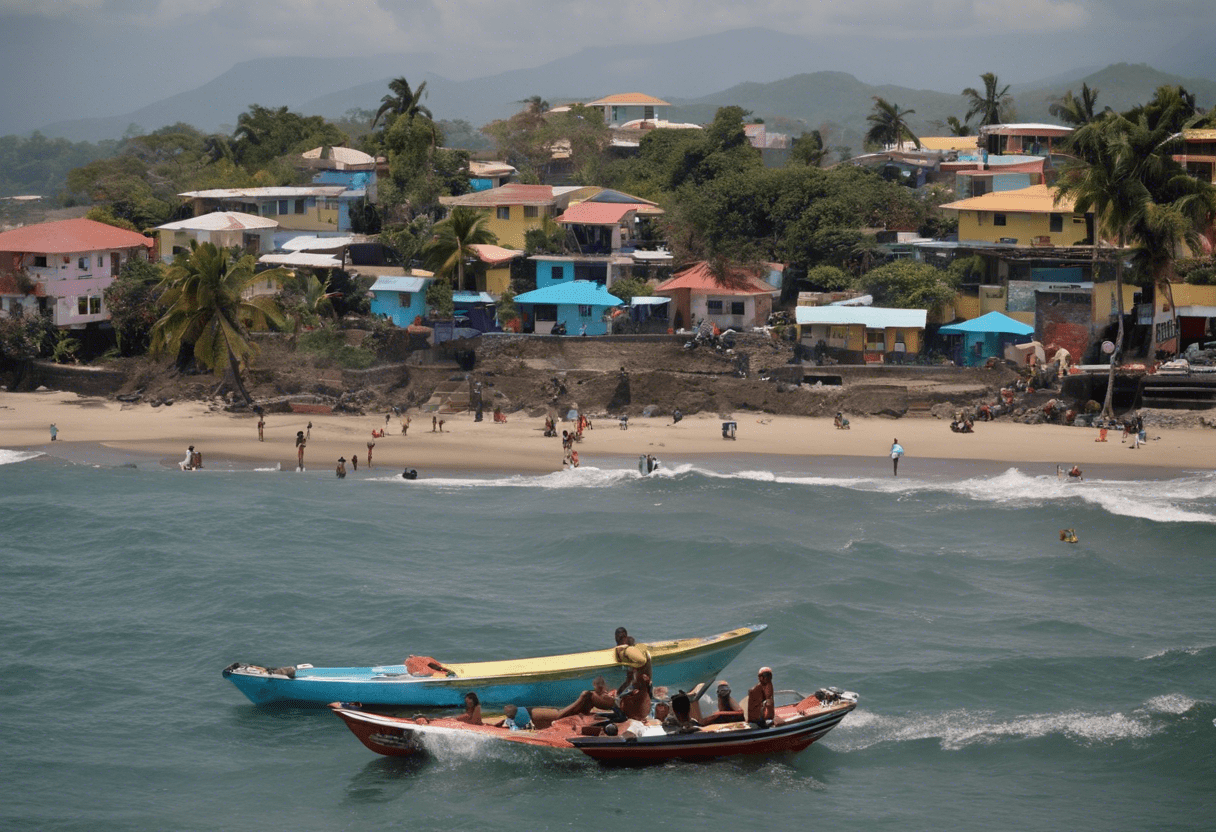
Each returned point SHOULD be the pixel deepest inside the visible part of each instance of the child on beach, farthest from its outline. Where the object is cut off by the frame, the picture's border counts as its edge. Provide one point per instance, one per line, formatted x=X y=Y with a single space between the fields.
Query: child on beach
x=54 y=432
x=897 y=451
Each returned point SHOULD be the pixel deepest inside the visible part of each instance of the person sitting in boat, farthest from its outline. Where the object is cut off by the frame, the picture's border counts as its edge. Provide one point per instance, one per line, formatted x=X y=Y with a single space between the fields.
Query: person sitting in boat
x=426 y=666
x=516 y=718
x=472 y=710
x=726 y=702
x=636 y=703
x=760 y=709
x=681 y=714
x=599 y=697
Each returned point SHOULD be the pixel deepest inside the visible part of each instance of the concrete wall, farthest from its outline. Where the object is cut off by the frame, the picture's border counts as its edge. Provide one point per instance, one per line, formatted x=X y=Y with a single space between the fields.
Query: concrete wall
x=1025 y=227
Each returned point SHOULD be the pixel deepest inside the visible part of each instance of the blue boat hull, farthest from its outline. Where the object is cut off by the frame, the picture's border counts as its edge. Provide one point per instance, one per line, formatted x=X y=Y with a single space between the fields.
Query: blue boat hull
x=390 y=686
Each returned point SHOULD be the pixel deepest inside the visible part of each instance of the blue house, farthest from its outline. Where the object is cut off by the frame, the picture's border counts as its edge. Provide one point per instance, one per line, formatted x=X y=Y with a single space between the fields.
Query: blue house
x=577 y=304
x=985 y=337
x=400 y=299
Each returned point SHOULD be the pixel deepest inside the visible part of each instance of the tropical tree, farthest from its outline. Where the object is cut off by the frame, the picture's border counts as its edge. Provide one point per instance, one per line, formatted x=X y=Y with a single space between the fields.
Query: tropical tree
x=888 y=124
x=207 y=313
x=958 y=128
x=305 y=299
x=535 y=104
x=403 y=100
x=808 y=149
x=993 y=105
x=1075 y=110
x=453 y=241
x=1138 y=194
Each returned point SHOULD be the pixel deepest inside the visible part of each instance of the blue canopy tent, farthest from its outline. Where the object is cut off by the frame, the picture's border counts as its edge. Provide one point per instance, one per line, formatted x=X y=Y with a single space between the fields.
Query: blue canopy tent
x=986 y=337
x=576 y=303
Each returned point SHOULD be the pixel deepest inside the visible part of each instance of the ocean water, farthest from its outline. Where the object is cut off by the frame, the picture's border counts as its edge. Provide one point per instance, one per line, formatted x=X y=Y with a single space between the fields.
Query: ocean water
x=1007 y=680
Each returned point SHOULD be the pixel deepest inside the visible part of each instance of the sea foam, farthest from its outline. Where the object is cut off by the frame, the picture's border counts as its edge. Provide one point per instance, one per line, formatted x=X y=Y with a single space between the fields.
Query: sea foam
x=7 y=457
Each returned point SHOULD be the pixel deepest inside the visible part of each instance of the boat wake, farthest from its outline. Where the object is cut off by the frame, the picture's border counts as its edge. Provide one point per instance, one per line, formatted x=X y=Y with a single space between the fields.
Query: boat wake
x=958 y=729
x=1187 y=499
x=8 y=457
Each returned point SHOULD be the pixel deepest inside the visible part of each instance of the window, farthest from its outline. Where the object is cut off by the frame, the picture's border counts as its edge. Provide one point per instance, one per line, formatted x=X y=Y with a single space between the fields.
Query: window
x=95 y=305
x=1056 y=222
x=736 y=307
x=503 y=212
x=531 y=212
x=998 y=219
x=648 y=113
x=268 y=209
x=101 y=261
x=404 y=299
x=83 y=264
x=82 y=305
x=713 y=307
x=284 y=206
x=876 y=340
x=584 y=311
x=40 y=261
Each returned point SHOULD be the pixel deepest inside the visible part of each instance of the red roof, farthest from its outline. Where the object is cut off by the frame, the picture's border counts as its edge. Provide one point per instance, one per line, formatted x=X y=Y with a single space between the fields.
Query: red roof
x=70 y=237
x=494 y=255
x=699 y=279
x=598 y=213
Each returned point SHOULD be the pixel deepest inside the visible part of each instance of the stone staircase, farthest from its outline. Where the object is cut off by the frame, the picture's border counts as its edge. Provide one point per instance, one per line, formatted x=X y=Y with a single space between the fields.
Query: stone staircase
x=451 y=396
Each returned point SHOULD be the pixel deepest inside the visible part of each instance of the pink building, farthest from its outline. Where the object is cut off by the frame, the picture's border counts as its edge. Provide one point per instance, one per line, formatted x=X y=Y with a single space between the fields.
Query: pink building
x=63 y=268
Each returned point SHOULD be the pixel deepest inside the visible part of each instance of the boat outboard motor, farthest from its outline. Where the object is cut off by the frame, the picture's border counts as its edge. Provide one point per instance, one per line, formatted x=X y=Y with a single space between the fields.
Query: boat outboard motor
x=409 y=474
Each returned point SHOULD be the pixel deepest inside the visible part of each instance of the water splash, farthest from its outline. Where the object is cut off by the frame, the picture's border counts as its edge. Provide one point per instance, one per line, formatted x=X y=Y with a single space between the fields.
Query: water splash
x=8 y=457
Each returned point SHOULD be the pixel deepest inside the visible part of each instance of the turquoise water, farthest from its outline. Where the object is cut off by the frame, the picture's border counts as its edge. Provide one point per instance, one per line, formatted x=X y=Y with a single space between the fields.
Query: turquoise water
x=1007 y=680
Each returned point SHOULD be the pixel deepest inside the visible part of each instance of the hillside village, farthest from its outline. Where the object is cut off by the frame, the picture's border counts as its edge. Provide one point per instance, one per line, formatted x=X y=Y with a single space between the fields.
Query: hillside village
x=688 y=255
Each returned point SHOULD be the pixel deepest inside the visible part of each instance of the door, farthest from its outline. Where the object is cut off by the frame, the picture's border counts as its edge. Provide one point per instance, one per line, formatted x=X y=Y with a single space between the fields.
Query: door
x=115 y=263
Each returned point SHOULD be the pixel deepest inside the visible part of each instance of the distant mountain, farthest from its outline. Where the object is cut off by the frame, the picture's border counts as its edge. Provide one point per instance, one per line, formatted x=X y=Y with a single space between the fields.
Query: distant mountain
x=272 y=82
x=1120 y=87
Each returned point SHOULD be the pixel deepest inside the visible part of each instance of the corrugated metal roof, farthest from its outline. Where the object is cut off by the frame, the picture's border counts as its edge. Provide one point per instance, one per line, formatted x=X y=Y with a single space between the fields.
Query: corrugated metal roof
x=341 y=155
x=285 y=192
x=302 y=259
x=871 y=317
x=308 y=242
x=220 y=221
x=648 y=300
x=400 y=284
x=582 y=292
x=472 y=297
x=1026 y=128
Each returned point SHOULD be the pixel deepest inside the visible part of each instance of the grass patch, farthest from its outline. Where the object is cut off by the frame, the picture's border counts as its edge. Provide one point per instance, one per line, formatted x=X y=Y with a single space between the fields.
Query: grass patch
x=330 y=347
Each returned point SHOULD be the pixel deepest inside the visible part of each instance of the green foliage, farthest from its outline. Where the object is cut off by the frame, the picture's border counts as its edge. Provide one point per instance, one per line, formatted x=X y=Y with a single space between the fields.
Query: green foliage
x=132 y=302
x=994 y=105
x=27 y=337
x=549 y=238
x=808 y=149
x=458 y=134
x=829 y=278
x=65 y=348
x=402 y=100
x=528 y=138
x=348 y=295
x=408 y=239
x=330 y=346
x=631 y=287
x=889 y=124
x=907 y=284
x=263 y=134
x=38 y=165
x=103 y=213
x=439 y=299
x=506 y=309
x=420 y=171
x=207 y=311
x=971 y=269
x=364 y=217
x=451 y=246
x=1200 y=271
x=1075 y=110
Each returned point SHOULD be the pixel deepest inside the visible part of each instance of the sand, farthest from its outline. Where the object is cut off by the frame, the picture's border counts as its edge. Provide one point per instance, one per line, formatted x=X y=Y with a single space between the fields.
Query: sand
x=113 y=432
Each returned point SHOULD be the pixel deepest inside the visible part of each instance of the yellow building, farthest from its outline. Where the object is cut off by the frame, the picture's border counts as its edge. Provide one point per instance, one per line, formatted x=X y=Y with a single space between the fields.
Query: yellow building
x=876 y=334
x=515 y=209
x=1026 y=217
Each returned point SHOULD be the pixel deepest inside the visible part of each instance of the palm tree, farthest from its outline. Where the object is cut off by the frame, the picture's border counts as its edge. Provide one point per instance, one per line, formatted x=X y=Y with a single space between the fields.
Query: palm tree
x=888 y=124
x=403 y=100
x=1126 y=176
x=451 y=246
x=206 y=312
x=992 y=105
x=1076 y=111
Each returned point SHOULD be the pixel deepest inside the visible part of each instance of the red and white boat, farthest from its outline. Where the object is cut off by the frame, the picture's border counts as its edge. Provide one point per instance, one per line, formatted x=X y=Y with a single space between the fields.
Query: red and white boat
x=795 y=727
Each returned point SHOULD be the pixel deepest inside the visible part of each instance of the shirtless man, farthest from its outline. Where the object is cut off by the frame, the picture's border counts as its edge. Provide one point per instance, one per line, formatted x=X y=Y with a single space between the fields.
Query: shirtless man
x=598 y=697
x=760 y=710
x=635 y=658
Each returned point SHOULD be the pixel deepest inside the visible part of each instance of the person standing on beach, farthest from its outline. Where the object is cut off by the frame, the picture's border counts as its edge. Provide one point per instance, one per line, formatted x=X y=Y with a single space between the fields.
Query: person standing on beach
x=434 y=423
x=370 y=445
x=54 y=432
x=301 y=440
x=897 y=451
x=308 y=435
x=354 y=460
x=340 y=471
x=261 y=428
x=405 y=424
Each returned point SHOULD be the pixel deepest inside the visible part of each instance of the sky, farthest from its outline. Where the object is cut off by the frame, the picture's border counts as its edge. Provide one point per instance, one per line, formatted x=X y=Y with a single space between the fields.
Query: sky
x=63 y=59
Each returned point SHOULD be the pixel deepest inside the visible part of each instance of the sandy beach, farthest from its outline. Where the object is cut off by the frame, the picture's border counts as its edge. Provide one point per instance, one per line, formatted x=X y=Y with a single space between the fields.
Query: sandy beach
x=115 y=432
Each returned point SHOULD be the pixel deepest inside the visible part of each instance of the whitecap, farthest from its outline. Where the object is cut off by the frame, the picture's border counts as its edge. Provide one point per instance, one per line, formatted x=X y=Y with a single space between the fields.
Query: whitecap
x=7 y=457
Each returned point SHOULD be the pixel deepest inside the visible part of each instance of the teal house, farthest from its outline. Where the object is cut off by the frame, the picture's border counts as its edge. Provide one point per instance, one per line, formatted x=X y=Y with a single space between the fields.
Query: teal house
x=579 y=304
x=985 y=337
x=400 y=299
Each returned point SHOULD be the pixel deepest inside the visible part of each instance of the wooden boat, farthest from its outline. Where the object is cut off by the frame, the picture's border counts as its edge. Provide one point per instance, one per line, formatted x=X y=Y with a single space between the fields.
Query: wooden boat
x=796 y=726
x=679 y=664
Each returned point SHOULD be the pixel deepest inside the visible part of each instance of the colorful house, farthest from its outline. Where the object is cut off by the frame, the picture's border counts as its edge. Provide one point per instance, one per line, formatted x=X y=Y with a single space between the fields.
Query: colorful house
x=224 y=229
x=1026 y=217
x=319 y=209
x=401 y=299
x=493 y=267
x=580 y=304
x=515 y=209
x=623 y=109
x=1026 y=139
x=985 y=337
x=871 y=334
x=737 y=299
x=486 y=175
x=67 y=266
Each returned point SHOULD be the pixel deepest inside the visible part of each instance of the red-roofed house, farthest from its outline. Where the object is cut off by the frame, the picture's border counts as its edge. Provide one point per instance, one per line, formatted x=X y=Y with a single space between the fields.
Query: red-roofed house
x=67 y=265
x=493 y=269
x=738 y=299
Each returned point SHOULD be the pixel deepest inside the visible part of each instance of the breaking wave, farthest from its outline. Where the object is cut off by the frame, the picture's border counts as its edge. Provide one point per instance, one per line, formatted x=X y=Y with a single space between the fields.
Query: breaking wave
x=1187 y=499
x=8 y=457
